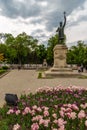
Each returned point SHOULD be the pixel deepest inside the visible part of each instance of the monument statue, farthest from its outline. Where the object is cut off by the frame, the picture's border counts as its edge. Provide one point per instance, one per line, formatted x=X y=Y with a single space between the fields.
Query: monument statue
x=60 y=30
x=60 y=67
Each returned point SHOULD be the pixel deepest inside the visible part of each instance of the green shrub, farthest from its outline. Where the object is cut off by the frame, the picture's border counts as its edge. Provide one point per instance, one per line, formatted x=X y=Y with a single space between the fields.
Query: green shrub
x=5 y=67
x=40 y=75
x=2 y=71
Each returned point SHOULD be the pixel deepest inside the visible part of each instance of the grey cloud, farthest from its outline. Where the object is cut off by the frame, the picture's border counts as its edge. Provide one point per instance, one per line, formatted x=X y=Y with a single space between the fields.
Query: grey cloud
x=53 y=18
x=37 y=31
x=72 y=24
x=35 y=21
x=26 y=9
x=49 y=15
x=40 y=35
x=82 y=18
x=14 y=9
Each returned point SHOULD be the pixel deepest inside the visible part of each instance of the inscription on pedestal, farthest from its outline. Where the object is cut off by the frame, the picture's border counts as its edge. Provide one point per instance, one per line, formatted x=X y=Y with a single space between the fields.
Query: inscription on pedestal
x=60 y=56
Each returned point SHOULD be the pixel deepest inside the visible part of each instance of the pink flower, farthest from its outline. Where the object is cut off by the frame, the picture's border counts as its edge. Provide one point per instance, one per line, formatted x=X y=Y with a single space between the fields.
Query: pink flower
x=84 y=106
x=40 y=117
x=54 y=115
x=41 y=121
x=55 y=106
x=39 y=109
x=68 y=110
x=46 y=113
x=34 y=107
x=61 y=113
x=55 y=121
x=86 y=123
x=61 y=122
x=68 y=115
x=26 y=111
x=37 y=118
x=45 y=108
x=65 y=105
x=63 y=109
x=11 y=111
x=74 y=107
x=17 y=112
x=81 y=114
x=35 y=126
x=69 y=105
x=16 y=127
x=46 y=122
x=33 y=112
x=34 y=119
x=73 y=115
x=61 y=128
x=23 y=113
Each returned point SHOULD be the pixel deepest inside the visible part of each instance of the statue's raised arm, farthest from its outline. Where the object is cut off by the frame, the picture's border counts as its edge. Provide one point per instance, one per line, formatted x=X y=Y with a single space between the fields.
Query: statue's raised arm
x=64 y=19
x=60 y=30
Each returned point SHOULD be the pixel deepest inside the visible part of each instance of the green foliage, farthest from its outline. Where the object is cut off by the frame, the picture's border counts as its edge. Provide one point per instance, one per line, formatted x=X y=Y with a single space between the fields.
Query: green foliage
x=20 y=49
x=39 y=75
x=51 y=43
x=77 y=54
x=41 y=53
x=5 y=67
x=3 y=125
x=2 y=71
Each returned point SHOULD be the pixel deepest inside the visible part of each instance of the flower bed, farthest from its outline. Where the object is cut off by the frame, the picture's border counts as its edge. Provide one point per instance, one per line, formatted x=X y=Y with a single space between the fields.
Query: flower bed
x=47 y=109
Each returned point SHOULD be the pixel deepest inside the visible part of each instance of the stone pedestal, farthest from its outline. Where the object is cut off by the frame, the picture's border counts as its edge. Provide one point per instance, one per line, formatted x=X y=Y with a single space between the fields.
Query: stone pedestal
x=44 y=63
x=60 y=56
x=60 y=68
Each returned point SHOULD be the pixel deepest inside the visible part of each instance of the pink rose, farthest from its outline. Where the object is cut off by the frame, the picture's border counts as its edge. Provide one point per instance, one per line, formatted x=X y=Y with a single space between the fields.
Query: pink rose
x=46 y=113
x=86 y=123
x=54 y=115
x=81 y=114
x=17 y=112
x=16 y=127
x=11 y=111
x=74 y=107
x=61 y=113
x=61 y=122
x=35 y=126
x=73 y=115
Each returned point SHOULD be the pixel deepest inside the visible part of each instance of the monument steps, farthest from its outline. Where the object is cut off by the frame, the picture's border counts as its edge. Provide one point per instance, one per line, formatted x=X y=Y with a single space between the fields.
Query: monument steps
x=62 y=74
x=60 y=69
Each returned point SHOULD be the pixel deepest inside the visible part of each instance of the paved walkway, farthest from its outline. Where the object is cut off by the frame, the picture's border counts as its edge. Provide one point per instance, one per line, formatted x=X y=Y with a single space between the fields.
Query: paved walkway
x=19 y=81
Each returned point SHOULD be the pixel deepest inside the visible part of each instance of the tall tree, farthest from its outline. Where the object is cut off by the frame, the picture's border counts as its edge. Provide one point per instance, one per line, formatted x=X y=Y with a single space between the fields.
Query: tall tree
x=77 y=54
x=41 y=53
x=51 y=43
x=19 y=48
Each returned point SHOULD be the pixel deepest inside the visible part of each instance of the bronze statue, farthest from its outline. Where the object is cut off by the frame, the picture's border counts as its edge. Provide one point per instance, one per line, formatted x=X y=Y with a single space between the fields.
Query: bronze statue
x=60 y=31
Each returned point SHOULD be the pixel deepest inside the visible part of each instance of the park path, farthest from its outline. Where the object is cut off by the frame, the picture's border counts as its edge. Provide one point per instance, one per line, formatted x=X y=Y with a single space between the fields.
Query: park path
x=19 y=81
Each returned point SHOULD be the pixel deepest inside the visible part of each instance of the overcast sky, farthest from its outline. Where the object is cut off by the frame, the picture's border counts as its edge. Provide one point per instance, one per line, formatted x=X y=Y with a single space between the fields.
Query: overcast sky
x=40 y=18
